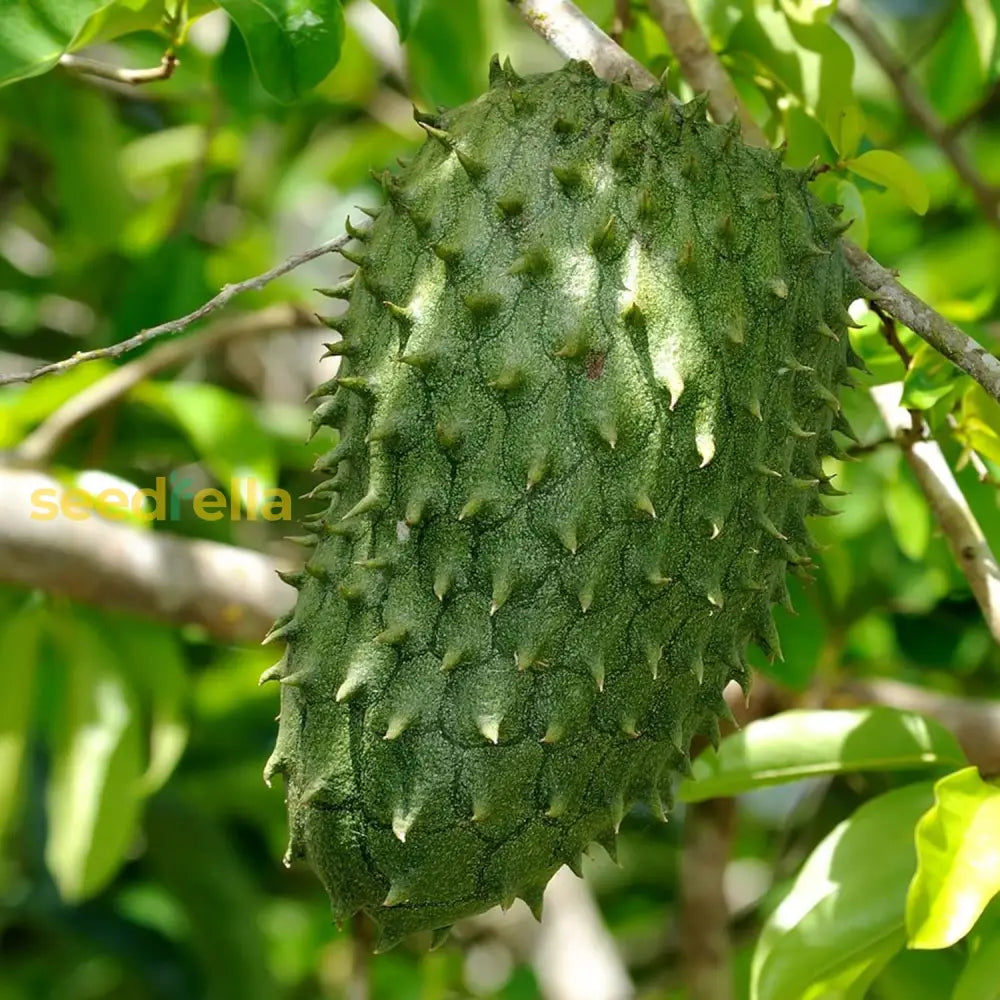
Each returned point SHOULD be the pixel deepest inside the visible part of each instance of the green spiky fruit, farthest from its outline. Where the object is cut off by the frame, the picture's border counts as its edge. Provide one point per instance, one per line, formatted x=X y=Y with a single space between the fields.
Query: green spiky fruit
x=589 y=372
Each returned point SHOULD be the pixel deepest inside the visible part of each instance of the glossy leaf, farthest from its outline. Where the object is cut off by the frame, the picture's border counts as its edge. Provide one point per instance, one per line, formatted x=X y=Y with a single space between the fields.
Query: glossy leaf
x=93 y=791
x=958 y=855
x=843 y=918
x=802 y=744
x=34 y=35
x=20 y=640
x=293 y=44
x=892 y=171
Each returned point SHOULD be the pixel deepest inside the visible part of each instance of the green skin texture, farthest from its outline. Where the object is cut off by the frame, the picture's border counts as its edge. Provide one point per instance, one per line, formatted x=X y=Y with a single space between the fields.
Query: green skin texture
x=590 y=369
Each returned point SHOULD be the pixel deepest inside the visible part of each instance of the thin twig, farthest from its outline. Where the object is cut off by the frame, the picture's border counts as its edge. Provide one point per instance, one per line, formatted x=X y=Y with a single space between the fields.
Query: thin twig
x=569 y=31
x=228 y=293
x=851 y=14
x=701 y=66
x=118 y=74
x=965 y=537
x=39 y=447
x=946 y=338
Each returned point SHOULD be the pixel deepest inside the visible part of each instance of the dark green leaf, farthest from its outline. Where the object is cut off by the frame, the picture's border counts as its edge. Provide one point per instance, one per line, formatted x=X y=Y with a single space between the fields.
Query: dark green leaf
x=293 y=44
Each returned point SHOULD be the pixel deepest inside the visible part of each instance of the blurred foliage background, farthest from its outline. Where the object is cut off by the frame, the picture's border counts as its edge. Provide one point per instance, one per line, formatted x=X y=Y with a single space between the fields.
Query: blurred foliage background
x=140 y=848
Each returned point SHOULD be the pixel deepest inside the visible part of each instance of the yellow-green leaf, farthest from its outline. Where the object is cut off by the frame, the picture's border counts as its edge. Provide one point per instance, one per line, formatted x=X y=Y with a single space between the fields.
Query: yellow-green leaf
x=958 y=861
x=892 y=171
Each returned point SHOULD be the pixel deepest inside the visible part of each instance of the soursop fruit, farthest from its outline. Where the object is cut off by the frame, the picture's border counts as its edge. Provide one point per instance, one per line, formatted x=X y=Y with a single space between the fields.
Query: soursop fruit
x=589 y=373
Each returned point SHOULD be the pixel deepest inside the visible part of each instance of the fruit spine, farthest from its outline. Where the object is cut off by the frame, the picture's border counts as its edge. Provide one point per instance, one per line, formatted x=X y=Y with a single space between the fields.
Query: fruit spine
x=589 y=373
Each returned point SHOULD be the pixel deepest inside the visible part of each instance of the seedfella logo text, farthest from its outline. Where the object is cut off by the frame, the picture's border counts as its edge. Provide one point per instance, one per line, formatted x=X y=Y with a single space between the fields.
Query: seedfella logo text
x=246 y=500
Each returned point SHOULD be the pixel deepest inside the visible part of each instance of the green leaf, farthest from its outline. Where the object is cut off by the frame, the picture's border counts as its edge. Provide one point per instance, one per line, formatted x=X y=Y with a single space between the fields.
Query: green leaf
x=804 y=743
x=20 y=639
x=980 y=979
x=929 y=378
x=892 y=171
x=843 y=918
x=854 y=208
x=407 y=14
x=293 y=44
x=93 y=791
x=958 y=855
x=35 y=33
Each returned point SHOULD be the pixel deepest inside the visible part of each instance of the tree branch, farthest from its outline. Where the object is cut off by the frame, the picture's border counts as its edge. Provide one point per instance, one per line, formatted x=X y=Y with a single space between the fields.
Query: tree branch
x=225 y=296
x=569 y=31
x=709 y=830
x=851 y=14
x=233 y=593
x=965 y=538
x=41 y=444
x=559 y=22
x=702 y=68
